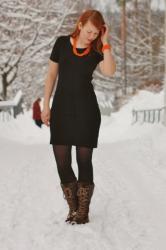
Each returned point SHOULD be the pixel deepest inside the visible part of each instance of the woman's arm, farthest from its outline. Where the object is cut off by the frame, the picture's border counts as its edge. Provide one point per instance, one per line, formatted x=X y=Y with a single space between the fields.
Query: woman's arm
x=48 y=88
x=50 y=82
x=108 y=65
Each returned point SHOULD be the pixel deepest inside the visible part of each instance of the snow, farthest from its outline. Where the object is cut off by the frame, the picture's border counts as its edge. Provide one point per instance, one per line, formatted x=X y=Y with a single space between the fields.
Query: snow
x=128 y=208
x=103 y=5
x=11 y=103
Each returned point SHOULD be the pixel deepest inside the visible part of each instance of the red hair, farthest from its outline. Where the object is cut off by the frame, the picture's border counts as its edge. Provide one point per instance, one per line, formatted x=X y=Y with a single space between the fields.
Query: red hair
x=96 y=18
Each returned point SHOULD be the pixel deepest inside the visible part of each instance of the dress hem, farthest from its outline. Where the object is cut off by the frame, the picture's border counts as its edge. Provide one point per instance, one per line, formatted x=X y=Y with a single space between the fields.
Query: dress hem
x=74 y=144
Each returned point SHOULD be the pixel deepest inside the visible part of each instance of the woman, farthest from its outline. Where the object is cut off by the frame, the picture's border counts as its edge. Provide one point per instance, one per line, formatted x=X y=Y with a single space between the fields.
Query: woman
x=75 y=118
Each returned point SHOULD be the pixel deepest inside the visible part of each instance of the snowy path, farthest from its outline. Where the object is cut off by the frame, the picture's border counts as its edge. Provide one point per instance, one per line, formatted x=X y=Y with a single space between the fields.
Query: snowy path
x=128 y=210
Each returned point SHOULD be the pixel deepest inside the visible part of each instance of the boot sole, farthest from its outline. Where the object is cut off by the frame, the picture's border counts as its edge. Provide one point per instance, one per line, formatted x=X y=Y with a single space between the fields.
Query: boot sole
x=79 y=222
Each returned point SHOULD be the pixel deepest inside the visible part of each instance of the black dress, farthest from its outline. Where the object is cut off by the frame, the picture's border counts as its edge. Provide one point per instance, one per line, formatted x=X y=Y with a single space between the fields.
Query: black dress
x=75 y=114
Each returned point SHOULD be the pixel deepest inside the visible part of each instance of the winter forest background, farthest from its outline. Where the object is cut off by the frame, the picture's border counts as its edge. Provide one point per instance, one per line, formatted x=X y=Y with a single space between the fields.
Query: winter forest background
x=128 y=209
x=29 y=29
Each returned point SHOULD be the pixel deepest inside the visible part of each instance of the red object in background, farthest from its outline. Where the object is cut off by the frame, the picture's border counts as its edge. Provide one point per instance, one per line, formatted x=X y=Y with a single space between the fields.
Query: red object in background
x=36 y=110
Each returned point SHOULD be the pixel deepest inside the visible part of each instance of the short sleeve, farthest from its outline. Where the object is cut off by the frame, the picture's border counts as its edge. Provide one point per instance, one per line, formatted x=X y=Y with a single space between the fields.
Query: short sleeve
x=99 y=57
x=56 y=51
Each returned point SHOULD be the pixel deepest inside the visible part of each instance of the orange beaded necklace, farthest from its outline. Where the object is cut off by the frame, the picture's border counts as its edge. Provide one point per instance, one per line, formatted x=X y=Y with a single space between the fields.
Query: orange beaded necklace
x=85 y=52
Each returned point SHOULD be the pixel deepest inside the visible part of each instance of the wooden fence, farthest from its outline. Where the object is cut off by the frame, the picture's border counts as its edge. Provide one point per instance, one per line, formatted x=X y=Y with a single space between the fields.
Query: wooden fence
x=148 y=115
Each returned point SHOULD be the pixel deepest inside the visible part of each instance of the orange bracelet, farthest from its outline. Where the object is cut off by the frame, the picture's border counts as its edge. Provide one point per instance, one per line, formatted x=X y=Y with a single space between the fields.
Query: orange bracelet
x=106 y=46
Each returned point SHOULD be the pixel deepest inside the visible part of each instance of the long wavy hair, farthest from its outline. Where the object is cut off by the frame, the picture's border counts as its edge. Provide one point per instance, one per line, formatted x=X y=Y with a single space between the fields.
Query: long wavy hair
x=96 y=18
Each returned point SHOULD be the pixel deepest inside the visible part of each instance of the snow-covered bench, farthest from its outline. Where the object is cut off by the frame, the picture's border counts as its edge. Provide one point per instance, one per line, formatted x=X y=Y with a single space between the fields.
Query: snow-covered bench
x=11 y=108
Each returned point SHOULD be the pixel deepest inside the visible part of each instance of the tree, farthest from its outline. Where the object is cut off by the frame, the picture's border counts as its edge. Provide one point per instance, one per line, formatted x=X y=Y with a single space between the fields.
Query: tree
x=122 y=4
x=25 y=27
x=165 y=70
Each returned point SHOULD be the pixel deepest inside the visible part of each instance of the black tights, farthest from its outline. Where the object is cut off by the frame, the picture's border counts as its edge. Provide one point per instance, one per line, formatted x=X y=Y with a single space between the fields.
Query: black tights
x=63 y=159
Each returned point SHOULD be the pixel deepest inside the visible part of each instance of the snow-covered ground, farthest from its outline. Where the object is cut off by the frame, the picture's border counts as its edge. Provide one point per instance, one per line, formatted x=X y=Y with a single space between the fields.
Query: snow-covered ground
x=128 y=208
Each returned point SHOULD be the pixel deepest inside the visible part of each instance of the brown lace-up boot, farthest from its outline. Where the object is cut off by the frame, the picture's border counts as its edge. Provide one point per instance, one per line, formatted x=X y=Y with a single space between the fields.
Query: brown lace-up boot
x=84 y=194
x=70 y=194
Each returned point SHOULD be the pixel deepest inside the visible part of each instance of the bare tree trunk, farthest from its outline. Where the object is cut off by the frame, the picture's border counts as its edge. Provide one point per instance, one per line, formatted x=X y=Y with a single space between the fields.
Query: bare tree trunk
x=123 y=41
x=135 y=38
x=150 y=35
x=4 y=86
x=165 y=71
